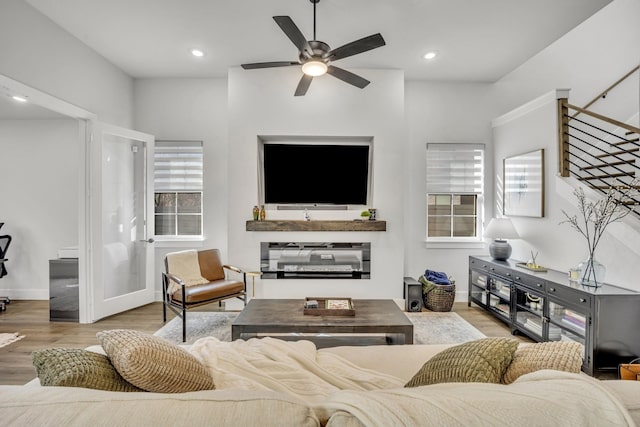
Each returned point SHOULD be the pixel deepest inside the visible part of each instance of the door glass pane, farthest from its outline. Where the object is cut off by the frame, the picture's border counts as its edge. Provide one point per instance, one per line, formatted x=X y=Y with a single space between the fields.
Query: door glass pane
x=123 y=215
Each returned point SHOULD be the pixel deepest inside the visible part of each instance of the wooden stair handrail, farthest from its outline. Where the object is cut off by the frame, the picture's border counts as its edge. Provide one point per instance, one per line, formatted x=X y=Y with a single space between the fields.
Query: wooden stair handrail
x=605 y=119
x=607 y=90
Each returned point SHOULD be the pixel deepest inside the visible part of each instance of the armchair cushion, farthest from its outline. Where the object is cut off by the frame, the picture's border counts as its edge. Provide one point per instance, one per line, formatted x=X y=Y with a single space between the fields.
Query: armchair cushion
x=211 y=290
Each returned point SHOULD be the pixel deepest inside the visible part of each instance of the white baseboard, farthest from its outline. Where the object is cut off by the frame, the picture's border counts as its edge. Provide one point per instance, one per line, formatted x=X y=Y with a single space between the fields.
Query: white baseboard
x=25 y=294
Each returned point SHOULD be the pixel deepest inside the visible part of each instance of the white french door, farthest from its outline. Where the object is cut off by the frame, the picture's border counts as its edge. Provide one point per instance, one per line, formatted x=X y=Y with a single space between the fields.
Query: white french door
x=120 y=220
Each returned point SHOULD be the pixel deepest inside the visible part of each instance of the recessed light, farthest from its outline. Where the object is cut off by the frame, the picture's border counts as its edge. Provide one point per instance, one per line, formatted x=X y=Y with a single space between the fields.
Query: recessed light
x=197 y=52
x=430 y=55
x=19 y=98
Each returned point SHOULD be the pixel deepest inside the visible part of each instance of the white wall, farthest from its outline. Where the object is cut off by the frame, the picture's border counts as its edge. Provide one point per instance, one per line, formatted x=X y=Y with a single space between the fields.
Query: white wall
x=442 y=112
x=261 y=102
x=39 y=203
x=40 y=54
x=191 y=109
x=559 y=247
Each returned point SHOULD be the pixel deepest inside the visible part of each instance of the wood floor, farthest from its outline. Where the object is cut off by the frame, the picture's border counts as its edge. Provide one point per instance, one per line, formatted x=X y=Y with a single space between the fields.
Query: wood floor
x=31 y=318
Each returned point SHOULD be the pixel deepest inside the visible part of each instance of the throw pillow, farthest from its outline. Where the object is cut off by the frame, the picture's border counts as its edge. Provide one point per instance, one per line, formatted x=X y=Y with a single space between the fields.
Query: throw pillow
x=154 y=364
x=72 y=367
x=484 y=360
x=557 y=355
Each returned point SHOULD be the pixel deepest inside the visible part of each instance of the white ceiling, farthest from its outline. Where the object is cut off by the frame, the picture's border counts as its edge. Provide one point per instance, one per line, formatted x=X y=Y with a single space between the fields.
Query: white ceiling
x=477 y=40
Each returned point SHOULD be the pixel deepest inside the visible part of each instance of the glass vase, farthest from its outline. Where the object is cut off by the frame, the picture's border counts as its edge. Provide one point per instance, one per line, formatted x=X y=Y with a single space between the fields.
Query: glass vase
x=591 y=272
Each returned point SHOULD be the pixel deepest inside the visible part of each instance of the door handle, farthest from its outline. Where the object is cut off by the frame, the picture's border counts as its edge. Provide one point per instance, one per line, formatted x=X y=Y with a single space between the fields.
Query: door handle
x=149 y=240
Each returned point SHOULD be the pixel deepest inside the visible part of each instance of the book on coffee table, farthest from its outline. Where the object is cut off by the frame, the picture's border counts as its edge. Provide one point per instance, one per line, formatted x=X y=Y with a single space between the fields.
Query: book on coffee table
x=338 y=304
x=334 y=306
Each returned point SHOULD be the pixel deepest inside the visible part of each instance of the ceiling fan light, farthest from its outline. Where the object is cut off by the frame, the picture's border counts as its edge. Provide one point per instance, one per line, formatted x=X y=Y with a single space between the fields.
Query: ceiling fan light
x=314 y=68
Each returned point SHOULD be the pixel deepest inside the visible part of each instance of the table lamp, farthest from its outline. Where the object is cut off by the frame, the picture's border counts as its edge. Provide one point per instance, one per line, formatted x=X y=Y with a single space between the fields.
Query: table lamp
x=500 y=229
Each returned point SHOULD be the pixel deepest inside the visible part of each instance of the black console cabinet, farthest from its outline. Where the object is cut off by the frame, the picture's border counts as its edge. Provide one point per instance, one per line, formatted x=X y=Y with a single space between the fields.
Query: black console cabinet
x=546 y=306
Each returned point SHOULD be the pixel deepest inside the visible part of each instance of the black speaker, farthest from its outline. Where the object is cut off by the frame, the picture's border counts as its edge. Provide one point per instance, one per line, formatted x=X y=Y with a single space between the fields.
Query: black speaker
x=412 y=294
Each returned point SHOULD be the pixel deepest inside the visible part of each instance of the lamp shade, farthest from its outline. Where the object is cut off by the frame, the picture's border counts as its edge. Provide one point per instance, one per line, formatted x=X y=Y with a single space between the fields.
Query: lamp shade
x=501 y=228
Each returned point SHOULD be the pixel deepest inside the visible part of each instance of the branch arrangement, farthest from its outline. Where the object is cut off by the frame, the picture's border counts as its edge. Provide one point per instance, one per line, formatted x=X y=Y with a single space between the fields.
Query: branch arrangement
x=596 y=216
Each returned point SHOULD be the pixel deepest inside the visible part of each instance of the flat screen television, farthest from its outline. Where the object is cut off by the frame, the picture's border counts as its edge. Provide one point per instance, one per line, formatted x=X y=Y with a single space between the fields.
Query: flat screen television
x=316 y=174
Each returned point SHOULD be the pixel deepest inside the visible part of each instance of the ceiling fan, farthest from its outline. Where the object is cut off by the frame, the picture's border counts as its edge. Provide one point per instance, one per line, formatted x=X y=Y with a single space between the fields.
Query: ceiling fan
x=316 y=56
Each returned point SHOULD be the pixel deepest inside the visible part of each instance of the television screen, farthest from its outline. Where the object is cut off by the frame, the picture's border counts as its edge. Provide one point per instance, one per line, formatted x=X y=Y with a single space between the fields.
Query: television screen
x=315 y=174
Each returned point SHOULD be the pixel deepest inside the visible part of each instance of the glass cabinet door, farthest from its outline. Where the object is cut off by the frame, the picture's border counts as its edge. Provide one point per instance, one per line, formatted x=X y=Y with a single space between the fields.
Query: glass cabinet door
x=529 y=316
x=478 y=287
x=566 y=323
x=500 y=297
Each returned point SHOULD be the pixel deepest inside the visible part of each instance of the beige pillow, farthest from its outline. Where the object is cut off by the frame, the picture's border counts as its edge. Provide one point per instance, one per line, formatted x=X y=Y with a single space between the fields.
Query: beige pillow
x=154 y=364
x=557 y=355
x=484 y=360
x=72 y=367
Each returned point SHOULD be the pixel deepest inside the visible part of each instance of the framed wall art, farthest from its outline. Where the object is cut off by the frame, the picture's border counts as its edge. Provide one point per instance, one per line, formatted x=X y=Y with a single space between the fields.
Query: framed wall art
x=523 y=183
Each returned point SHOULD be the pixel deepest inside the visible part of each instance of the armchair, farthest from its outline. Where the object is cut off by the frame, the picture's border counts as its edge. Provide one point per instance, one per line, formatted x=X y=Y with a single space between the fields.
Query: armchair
x=198 y=278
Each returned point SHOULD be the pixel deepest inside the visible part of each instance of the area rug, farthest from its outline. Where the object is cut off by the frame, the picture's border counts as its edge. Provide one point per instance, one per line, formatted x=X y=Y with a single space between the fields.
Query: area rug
x=429 y=327
x=6 y=339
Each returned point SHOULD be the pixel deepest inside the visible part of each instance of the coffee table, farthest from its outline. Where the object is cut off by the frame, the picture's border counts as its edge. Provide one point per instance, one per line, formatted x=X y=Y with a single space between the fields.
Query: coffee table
x=376 y=321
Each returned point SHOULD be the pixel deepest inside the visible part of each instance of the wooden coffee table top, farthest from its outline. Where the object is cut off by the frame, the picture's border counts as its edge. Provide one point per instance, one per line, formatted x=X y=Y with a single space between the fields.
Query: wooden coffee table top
x=286 y=315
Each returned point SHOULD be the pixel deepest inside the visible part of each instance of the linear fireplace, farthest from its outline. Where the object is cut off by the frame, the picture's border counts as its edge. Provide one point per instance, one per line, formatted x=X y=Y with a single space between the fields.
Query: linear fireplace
x=315 y=260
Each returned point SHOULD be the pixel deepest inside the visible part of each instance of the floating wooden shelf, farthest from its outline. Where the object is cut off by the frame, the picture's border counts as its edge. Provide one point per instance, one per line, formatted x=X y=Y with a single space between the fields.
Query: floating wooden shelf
x=330 y=225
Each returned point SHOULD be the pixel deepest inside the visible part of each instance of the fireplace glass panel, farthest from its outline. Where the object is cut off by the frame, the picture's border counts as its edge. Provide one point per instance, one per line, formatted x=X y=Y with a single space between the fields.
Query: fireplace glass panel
x=315 y=260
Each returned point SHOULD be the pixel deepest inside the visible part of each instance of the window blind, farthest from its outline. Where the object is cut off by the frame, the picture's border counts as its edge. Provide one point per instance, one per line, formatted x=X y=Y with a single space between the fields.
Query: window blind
x=455 y=168
x=178 y=166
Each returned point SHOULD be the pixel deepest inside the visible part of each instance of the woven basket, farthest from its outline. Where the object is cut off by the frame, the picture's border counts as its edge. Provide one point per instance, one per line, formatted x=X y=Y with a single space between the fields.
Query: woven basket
x=440 y=298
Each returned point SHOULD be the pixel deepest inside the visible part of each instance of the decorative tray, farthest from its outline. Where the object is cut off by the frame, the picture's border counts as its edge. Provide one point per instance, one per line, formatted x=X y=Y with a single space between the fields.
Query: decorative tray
x=531 y=267
x=329 y=306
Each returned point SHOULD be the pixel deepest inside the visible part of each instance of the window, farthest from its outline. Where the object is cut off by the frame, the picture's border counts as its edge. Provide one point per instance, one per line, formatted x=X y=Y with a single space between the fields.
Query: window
x=178 y=188
x=454 y=191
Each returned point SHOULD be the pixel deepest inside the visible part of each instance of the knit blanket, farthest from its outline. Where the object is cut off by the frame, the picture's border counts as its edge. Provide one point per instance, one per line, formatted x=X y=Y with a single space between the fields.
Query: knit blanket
x=344 y=394
x=542 y=398
x=292 y=367
x=185 y=265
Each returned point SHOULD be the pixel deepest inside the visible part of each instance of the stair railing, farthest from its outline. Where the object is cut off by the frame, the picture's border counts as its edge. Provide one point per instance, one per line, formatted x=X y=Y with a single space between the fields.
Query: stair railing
x=604 y=93
x=599 y=151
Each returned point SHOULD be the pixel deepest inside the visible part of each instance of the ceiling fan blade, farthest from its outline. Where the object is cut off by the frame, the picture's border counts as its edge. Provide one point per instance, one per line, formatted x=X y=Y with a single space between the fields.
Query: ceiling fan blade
x=273 y=64
x=295 y=35
x=303 y=85
x=348 y=77
x=372 y=42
